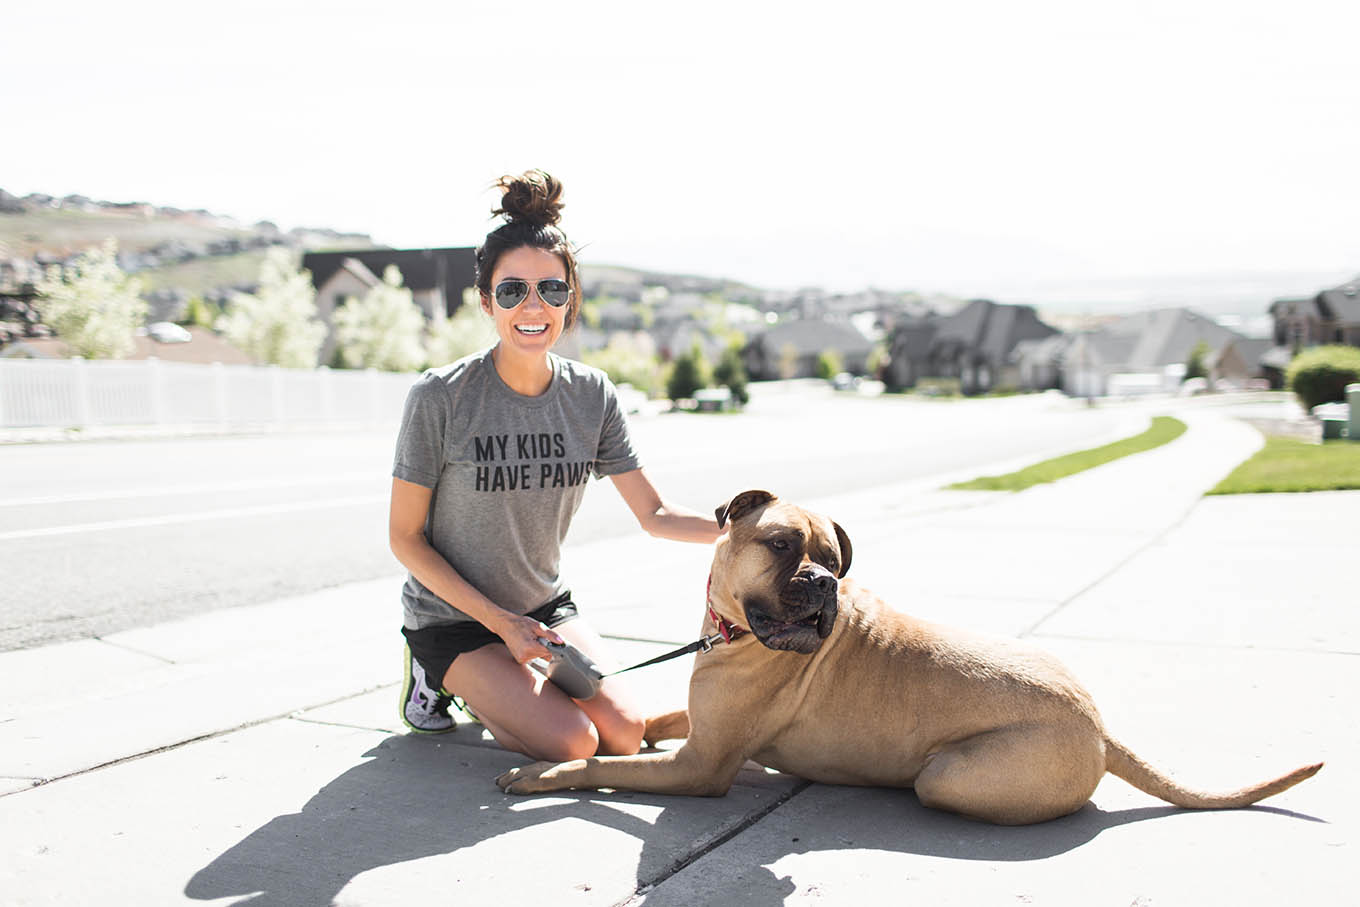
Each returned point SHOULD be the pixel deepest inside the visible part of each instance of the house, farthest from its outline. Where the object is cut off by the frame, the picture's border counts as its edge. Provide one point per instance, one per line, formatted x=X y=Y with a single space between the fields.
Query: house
x=909 y=345
x=352 y=279
x=1239 y=362
x=790 y=349
x=1038 y=363
x=1332 y=316
x=1147 y=352
x=975 y=345
x=435 y=277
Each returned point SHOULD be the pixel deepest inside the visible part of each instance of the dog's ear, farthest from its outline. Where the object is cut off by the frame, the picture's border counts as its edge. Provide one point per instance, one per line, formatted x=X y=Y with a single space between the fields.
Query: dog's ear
x=741 y=505
x=846 y=551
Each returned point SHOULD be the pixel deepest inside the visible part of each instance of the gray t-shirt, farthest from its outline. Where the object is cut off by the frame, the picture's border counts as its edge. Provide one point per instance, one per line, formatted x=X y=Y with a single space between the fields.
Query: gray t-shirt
x=508 y=474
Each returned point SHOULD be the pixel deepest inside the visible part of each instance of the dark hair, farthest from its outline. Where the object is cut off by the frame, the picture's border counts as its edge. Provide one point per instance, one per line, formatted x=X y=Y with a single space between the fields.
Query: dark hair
x=532 y=205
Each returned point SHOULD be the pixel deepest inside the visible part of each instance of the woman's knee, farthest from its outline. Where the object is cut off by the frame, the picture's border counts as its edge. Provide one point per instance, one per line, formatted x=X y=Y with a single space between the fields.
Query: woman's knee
x=578 y=742
x=621 y=734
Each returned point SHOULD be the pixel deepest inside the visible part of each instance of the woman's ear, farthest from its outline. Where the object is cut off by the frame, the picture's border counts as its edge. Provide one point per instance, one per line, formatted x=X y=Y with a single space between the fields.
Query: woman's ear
x=485 y=297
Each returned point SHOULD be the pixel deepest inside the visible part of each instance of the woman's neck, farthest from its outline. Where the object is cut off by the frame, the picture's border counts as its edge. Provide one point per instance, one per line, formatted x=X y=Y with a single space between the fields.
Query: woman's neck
x=527 y=376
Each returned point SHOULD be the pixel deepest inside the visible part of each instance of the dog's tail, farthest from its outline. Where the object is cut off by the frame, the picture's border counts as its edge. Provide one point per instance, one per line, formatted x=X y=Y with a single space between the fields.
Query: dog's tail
x=1120 y=761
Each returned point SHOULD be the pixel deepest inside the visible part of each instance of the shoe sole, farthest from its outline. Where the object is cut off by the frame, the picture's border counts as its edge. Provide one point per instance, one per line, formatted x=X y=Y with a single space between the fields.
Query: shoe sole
x=406 y=695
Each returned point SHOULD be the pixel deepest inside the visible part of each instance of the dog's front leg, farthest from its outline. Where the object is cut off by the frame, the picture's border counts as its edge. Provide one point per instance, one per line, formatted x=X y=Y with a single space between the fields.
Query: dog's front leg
x=690 y=771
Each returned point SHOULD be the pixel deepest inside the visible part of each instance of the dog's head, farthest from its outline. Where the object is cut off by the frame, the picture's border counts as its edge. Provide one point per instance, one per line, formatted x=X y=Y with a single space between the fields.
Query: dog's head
x=778 y=568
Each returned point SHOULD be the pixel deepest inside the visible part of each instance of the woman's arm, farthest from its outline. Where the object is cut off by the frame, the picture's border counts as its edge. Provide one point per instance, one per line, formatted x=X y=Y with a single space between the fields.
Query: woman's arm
x=659 y=517
x=406 y=535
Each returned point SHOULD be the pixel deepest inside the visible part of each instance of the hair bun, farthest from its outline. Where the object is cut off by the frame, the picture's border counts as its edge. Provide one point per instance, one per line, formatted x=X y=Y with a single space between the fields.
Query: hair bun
x=534 y=197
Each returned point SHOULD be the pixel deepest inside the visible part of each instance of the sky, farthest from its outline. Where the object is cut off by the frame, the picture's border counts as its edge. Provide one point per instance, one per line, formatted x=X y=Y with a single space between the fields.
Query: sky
x=1073 y=150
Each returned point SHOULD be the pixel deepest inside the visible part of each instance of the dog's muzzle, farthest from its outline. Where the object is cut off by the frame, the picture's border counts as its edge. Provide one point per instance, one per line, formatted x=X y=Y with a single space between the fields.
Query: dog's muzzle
x=802 y=617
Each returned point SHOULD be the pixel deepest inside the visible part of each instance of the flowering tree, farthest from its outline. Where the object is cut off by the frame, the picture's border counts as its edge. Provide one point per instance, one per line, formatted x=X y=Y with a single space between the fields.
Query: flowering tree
x=277 y=324
x=382 y=328
x=466 y=332
x=92 y=305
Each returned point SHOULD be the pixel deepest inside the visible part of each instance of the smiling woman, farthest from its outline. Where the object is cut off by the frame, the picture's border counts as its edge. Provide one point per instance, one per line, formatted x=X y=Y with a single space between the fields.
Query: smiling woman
x=491 y=466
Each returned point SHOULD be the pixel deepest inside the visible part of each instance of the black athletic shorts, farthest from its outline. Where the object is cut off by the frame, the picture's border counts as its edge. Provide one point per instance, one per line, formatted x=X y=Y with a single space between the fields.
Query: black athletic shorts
x=436 y=647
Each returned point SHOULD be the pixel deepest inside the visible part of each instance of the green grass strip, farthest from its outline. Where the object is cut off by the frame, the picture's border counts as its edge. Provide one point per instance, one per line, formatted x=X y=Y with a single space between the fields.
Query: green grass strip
x=1162 y=430
x=1287 y=464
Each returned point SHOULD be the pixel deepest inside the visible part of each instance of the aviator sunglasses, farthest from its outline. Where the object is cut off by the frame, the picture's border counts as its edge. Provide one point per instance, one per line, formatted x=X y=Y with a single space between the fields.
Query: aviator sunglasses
x=552 y=290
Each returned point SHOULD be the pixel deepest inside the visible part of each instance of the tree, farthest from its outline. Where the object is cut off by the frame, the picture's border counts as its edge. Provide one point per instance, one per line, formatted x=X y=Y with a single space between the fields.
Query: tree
x=381 y=329
x=731 y=372
x=629 y=358
x=92 y=305
x=277 y=323
x=1194 y=365
x=829 y=364
x=688 y=374
x=466 y=331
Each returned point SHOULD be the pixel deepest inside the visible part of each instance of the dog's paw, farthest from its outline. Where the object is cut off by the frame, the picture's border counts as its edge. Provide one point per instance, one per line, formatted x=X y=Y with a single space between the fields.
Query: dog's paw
x=528 y=779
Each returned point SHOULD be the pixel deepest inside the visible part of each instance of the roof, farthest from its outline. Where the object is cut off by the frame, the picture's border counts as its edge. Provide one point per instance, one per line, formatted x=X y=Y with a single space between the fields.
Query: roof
x=992 y=329
x=1341 y=304
x=912 y=338
x=421 y=269
x=812 y=336
x=1165 y=337
x=1046 y=349
x=356 y=268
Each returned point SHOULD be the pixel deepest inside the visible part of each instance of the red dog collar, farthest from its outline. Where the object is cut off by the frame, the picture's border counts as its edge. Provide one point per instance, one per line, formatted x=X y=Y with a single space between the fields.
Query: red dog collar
x=729 y=630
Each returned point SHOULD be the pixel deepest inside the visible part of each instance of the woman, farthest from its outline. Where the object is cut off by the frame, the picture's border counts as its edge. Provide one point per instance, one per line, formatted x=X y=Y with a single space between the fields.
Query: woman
x=492 y=459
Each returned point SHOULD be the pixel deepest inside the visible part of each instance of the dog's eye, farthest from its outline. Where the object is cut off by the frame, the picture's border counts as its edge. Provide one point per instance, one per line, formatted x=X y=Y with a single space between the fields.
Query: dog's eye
x=779 y=544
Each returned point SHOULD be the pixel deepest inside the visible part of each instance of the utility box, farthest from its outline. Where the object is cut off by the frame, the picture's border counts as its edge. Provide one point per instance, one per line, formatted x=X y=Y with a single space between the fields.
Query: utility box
x=1353 y=421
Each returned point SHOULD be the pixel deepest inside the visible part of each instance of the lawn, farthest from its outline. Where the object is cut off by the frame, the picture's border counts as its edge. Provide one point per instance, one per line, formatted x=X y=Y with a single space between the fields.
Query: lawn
x=1162 y=430
x=1287 y=464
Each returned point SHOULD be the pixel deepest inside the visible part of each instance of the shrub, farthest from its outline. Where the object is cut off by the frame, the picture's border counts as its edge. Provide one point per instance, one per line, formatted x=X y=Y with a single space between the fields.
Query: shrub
x=1320 y=374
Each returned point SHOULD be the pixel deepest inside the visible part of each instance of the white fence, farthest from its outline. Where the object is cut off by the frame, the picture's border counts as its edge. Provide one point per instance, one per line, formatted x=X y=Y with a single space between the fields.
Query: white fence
x=60 y=393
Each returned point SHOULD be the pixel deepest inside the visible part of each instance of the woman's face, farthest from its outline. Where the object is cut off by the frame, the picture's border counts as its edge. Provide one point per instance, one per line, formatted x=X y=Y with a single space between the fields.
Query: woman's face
x=532 y=327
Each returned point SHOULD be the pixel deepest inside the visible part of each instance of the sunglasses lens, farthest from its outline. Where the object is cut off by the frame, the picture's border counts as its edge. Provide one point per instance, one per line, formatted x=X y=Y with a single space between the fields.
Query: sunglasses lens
x=510 y=293
x=554 y=292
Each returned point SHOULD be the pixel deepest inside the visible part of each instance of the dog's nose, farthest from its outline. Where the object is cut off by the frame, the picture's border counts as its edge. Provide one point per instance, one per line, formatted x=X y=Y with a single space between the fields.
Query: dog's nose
x=824 y=583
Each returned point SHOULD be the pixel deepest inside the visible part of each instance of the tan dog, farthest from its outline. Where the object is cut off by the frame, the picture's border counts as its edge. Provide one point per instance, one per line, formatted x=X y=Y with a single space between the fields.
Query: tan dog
x=833 y=686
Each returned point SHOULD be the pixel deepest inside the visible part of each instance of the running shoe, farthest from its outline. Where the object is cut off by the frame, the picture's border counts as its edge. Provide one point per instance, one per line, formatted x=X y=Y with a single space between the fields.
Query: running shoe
x=424 y=709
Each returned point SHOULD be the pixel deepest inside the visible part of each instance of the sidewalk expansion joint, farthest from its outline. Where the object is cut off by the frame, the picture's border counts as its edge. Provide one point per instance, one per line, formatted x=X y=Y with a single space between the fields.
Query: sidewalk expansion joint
x=169 y=747
x=722 y=838
x=1133 y=555
x=134 y=650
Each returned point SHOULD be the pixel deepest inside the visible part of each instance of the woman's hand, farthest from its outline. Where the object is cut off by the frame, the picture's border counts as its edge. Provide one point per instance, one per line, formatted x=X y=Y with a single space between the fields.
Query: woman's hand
x=523 y=637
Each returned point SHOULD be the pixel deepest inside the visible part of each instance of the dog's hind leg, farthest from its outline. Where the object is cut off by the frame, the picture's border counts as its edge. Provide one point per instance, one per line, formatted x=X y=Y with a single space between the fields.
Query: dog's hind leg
x=1014 y=775
x=670 y=726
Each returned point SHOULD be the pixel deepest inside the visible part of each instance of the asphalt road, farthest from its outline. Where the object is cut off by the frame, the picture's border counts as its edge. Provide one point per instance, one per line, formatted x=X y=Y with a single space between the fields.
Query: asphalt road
x=98 y=536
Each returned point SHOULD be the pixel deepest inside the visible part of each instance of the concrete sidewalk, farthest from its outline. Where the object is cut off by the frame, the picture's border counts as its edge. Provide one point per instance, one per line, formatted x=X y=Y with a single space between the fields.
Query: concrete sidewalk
x=255 y=754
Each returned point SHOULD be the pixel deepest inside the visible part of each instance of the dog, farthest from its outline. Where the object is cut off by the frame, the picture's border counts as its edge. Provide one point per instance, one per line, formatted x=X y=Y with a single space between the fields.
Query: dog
x=822 y=680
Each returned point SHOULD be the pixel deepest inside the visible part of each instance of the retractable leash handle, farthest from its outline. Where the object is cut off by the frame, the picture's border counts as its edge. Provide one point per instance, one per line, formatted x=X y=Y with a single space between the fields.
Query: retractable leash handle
x=572 y=671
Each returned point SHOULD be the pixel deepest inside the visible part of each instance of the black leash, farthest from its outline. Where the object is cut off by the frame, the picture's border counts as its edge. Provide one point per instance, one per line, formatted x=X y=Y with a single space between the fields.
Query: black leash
x=699 y=645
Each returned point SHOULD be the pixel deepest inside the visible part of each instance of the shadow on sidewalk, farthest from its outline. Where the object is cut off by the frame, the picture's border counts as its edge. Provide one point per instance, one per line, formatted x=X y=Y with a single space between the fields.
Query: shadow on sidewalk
x=410 y=800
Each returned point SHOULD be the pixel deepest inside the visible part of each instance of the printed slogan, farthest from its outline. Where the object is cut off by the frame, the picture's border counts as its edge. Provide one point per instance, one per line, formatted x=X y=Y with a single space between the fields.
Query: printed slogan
x=540 y=462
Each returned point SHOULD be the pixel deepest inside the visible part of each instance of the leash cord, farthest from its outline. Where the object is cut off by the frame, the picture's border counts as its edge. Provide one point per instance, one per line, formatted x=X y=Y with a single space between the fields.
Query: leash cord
x=699 y=645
